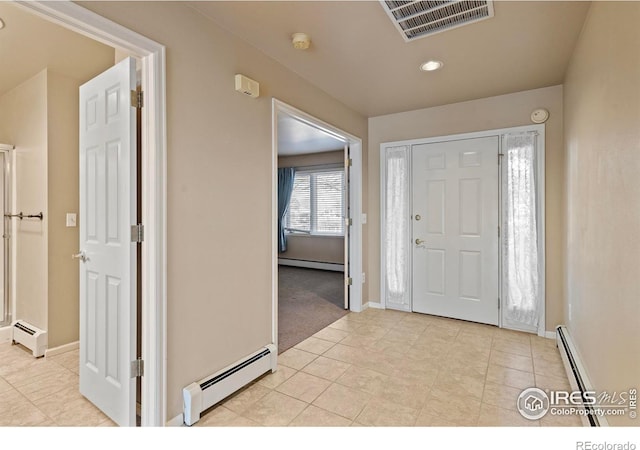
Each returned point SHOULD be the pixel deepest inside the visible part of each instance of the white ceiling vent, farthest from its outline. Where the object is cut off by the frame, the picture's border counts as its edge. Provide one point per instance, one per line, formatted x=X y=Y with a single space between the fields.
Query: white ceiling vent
x=417 y=19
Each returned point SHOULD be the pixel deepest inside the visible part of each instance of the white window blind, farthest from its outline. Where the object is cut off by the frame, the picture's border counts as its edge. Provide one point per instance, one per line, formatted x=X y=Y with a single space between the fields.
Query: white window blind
x=317 y=203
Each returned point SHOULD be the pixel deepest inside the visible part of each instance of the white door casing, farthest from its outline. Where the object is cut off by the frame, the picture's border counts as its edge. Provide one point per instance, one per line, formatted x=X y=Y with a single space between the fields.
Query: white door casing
x=347 y=227
x=108 y=257
x=455 y=219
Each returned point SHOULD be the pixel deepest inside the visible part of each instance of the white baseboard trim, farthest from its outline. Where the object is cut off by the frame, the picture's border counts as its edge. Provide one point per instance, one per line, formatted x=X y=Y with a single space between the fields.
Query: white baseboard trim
x=177 y=421
x=61 y=349
x=311 y=264
x=5 y=334
x=375 y=305
x=550 y=335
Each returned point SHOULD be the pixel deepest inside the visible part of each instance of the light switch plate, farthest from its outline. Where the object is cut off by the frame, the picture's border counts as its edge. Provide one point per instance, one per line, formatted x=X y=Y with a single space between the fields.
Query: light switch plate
x=71 y=219
x=364 y=218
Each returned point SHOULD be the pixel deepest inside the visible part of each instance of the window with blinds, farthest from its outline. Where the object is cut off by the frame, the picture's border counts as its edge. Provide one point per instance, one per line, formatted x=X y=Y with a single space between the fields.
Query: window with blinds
x=317 y=203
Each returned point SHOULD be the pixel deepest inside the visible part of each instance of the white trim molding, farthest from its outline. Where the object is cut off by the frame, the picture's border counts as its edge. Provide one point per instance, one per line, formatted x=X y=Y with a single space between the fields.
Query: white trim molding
x=355 y=204
x=154 y=189
x=61 y=349
x=540 y=142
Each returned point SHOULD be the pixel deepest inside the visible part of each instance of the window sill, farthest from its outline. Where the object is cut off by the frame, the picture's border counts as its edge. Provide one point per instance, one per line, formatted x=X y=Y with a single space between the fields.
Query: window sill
x=305 y=235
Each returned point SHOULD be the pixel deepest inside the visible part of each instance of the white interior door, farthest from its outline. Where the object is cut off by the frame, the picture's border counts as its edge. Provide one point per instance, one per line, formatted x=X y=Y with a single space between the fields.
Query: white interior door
x=455 y=229
x=108 y=257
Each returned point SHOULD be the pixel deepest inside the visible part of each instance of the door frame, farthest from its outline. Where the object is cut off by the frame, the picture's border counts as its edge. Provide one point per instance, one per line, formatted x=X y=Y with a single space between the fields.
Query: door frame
x=355 y=199
x=540 y=172
x=153 y=185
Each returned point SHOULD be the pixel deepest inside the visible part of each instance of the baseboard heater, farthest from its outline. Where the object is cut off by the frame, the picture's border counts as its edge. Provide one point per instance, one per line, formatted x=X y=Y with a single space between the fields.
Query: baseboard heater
x=31 y=337
x=203 y=394
x=576 y=373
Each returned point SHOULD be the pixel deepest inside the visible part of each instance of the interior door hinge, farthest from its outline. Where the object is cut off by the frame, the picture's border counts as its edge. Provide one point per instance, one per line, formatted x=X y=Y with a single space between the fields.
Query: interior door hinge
x=349 y=221
x=137 y=233
x=500 y=155
x=137 y=368
x=348 y=162
x=137 y=99
x=349 y=281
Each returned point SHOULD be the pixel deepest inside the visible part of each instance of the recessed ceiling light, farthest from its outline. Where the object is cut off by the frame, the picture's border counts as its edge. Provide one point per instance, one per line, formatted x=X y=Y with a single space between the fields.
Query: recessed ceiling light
x=430 y=66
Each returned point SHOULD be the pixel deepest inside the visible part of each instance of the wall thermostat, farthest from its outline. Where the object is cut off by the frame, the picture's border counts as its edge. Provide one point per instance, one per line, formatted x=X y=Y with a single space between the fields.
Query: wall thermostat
x=247 y=86
x=539 y=115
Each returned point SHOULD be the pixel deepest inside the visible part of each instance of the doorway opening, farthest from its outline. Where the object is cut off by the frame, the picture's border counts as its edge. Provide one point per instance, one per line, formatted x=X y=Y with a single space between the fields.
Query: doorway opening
x=317 y=241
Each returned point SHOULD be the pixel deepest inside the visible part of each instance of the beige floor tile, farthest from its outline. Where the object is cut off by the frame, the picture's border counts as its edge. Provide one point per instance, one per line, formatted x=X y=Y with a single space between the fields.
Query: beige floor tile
x=426 y=419
x=511 y=361
x=223 y=417
x=304 y=387
x=296 y=359
x=510 y=377
x=10 y=398
x=512 y=335
x=346 y=325
x=371 y=331
x=385 y=363
x=460 y=365
x=364 y=379
x=329 y=369
x=356 y=317
x=509 y=346
x=47 y=385
x=551 y=383
x=58 y=402
x=4 y=385
x=275 y=379
x=459 y=409
x=472 y=342
x=493 y=416
x=275 y=410
x=246 y=398
x=426 y=349
x=69 y=360
x=33 y=371
x=315 y=345
x=360 y=341
x=549 y=368
x=342 y=400
x=313 y=416
x=460 y=384
x=415 y=377
x=107 y=423
x=439 y=333
x=477 y=329
x=403 y=394
x=540 y=343
x=384 y=346
x=502 y=396
x=22 y=414
x=462 y=352
x=331 y=334
x=402 y=336
x=351 y=355
x=80 y=413
x=382 y=413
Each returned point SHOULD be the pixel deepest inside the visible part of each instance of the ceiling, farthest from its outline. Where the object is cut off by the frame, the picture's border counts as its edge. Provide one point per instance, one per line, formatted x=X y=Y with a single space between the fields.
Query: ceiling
x=359 y=57
x=298 y=138
x=29 y=44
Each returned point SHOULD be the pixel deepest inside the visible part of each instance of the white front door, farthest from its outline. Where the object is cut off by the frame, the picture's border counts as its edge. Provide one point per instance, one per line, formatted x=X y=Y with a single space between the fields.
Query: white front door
x=108 y=257
x=455 y=229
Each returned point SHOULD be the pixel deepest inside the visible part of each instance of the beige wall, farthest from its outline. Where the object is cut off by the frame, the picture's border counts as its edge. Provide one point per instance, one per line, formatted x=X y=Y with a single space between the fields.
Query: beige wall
x=23 y=112
x=602 y=117
x=219 y=230
x=62 y=193
x=328 y=249
x=485 y=114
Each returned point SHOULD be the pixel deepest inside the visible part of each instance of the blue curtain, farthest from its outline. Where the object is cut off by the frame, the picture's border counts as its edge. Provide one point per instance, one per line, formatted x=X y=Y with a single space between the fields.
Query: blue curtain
x=286 y=176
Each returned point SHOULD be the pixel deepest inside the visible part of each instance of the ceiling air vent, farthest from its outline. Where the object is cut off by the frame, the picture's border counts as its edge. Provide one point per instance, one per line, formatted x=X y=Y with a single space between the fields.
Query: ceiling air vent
x=418 y=19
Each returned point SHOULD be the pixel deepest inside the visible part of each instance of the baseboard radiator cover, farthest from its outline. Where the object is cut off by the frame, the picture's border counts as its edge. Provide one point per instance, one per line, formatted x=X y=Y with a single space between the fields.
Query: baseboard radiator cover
x=203 y=394
x=576 y=373
x=30 y=336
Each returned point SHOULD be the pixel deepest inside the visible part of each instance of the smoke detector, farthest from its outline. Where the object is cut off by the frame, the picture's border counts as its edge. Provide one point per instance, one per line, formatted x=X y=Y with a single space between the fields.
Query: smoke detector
x=300 y=41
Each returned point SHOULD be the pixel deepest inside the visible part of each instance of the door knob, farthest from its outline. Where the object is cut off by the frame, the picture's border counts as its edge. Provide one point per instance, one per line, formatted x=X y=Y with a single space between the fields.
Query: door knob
x=81 y=256
x=419 y=241
x=418 y=217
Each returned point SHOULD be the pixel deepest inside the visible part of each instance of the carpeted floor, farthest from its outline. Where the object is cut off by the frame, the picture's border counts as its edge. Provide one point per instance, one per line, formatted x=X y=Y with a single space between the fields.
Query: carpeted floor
x=308 y=301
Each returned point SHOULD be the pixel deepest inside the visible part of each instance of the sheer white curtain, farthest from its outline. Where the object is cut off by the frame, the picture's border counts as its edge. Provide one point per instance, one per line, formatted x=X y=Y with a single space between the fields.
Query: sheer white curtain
x=396 y=219
x=520 y=267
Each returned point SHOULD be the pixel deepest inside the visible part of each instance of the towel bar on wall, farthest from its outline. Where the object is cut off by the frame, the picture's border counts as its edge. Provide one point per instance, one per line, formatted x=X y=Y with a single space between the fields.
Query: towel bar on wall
x=25 y=216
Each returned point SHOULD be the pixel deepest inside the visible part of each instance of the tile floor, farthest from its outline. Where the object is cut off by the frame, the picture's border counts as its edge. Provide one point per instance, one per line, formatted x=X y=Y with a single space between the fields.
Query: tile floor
x=43 y=391
x=375 y=368
x=388 y=368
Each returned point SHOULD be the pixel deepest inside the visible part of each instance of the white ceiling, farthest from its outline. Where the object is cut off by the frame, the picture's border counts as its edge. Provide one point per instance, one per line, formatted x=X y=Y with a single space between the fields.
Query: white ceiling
x=299 y=138
x=358 y=56
x=29 y=44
